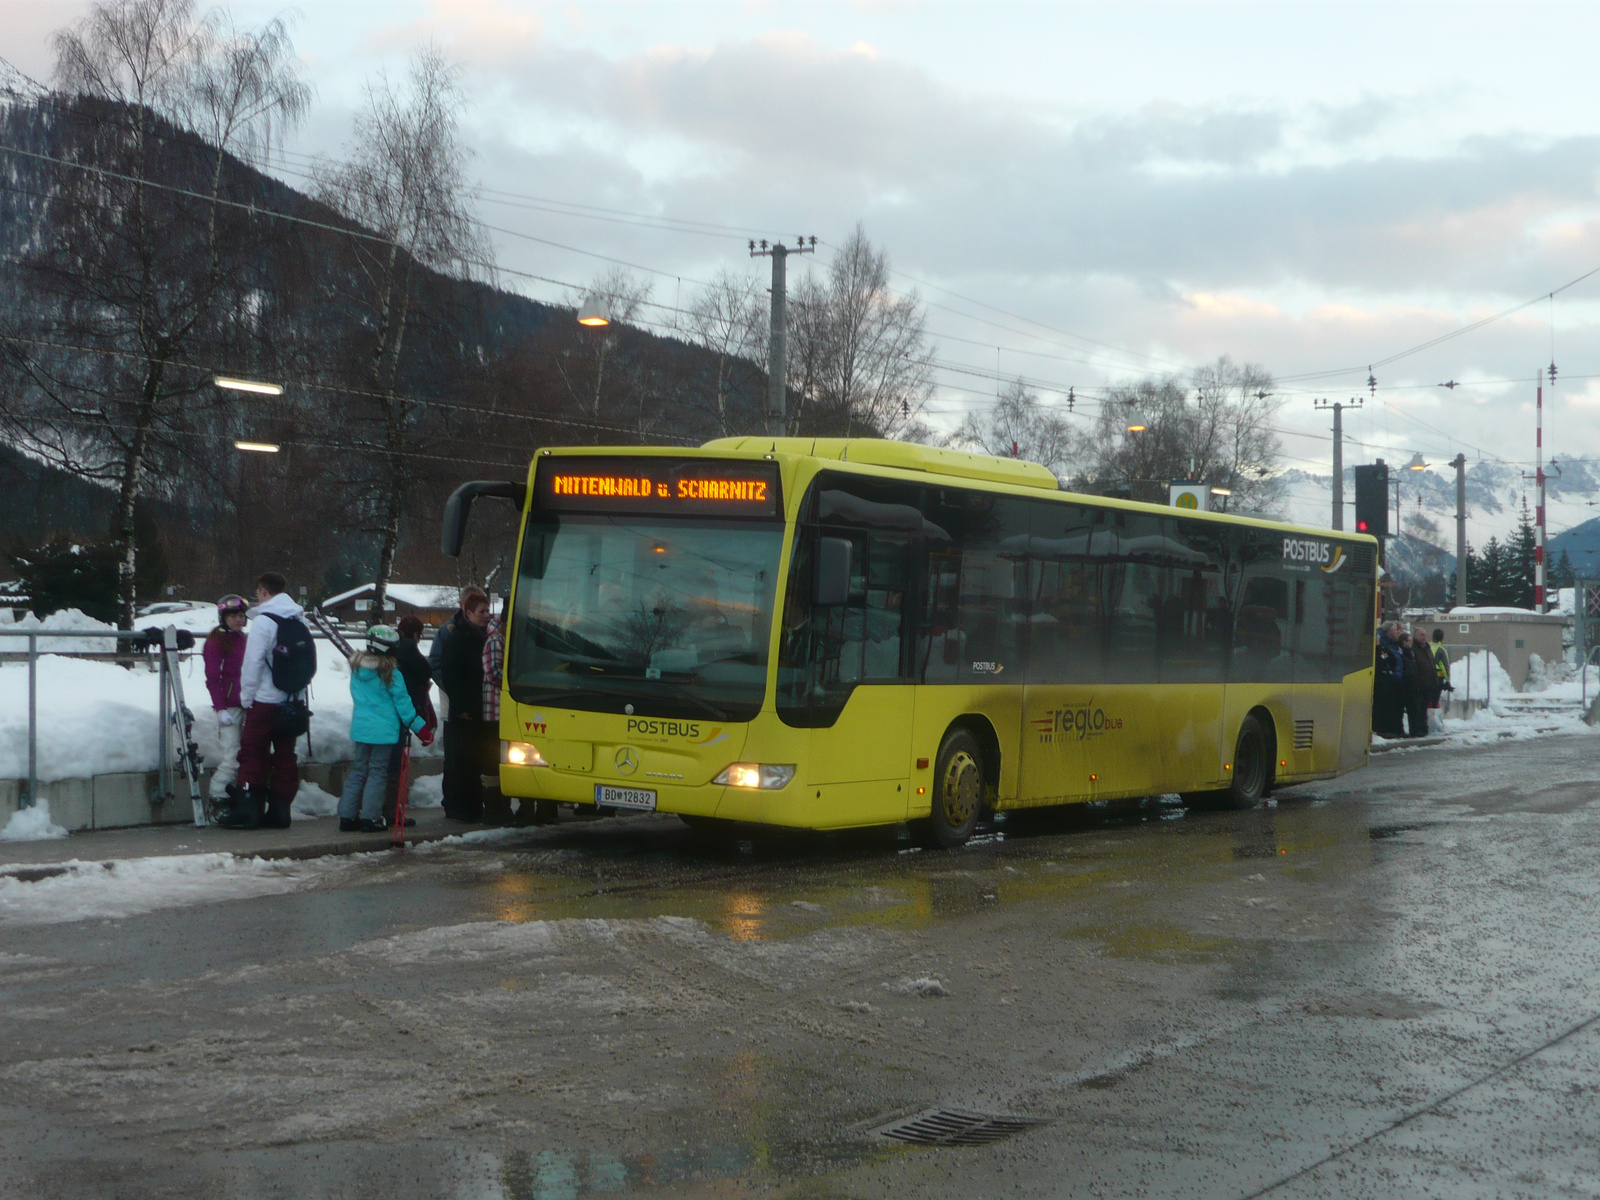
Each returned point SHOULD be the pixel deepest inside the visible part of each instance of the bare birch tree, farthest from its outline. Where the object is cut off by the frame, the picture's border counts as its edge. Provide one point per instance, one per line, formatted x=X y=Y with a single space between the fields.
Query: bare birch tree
x=1223 y=436
x=406 y=179
x=134 y=273
x=1020 y=426
x=728 y=319
x=860 y=354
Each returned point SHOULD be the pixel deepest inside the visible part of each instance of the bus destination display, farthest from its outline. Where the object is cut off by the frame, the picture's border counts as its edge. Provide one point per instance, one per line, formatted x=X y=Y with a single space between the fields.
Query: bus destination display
x=658 y=485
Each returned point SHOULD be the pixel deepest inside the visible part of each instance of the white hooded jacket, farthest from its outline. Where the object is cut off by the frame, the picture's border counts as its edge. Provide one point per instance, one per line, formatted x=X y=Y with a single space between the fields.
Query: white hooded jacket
x=255 y=675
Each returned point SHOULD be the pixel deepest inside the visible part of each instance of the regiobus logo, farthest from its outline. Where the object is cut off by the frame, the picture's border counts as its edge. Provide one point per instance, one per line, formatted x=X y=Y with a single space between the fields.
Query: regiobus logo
x=1077 y=722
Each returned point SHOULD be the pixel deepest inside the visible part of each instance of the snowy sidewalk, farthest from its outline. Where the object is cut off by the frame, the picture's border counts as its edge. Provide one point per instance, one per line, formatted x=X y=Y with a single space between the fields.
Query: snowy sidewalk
x=312 y=837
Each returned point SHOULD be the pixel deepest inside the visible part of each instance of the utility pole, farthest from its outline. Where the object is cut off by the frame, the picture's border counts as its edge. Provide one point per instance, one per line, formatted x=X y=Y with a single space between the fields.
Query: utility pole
x=1538 y=508
x=1338 y=455
x=777 y=376
x=1459 y=462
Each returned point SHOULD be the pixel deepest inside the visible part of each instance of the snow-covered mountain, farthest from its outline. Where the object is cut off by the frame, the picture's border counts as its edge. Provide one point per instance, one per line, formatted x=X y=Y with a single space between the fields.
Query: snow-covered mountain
x=1496 y=494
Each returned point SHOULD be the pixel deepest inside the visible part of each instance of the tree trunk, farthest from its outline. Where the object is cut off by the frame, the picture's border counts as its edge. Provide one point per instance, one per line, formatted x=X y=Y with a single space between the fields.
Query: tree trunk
x=128 y=496
x=394 y=481
x=394 y=508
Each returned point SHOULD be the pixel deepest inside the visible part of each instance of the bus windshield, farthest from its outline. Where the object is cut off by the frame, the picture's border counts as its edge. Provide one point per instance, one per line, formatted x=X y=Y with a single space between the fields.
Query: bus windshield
x=670 y=616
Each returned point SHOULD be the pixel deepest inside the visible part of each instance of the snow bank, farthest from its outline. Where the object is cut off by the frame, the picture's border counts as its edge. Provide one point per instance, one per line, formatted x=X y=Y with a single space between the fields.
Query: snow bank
x=1479 y=676
x=129 y=887
x=32 y=825
x=99 y=718
x=1488 y=727
x=427 y=791
x=312 y=801
x=66 y=619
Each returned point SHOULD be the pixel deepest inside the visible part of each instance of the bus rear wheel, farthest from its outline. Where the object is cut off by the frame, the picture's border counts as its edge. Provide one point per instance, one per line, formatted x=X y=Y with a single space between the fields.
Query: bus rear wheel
x=957 y=792
x=1252 y=772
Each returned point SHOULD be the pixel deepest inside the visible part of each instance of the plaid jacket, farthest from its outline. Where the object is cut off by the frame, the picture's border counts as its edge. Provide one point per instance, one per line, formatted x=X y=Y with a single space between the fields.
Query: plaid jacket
x=494 y=657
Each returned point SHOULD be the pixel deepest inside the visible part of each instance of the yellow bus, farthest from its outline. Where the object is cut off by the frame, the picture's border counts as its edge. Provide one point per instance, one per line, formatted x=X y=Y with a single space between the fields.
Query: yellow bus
x=830 y=633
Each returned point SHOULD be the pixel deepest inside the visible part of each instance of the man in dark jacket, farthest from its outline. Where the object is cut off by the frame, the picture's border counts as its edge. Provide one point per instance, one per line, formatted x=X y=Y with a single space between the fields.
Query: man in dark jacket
x=467 y=751
x=1387 y=703
x=419 y=686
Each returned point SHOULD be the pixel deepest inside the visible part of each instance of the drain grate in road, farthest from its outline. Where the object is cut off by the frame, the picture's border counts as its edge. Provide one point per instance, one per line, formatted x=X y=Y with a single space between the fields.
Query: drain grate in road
x=955 y=1127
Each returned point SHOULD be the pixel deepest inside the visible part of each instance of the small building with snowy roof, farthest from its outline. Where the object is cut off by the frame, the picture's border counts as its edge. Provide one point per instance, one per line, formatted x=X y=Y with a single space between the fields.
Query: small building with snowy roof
x=1511 y=635
x=430 y=603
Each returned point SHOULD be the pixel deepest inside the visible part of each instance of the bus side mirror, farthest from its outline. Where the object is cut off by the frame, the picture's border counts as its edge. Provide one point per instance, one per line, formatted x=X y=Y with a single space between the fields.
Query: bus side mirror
x=831 y=579
x=459 y=507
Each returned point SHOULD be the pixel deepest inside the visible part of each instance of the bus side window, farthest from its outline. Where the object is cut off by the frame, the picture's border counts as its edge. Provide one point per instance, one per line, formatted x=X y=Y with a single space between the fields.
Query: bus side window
x=1262 y=638
x=1132 y=544
x=1197 y=625
x=994 y=608
x=1065 y=616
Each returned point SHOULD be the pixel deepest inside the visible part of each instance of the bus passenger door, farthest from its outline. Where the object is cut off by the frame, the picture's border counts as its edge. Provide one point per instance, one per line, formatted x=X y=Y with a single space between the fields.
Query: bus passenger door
x=843 y=669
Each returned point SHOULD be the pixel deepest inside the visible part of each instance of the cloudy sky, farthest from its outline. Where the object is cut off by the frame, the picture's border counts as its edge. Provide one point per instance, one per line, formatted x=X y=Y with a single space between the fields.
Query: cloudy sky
x=1082 y=193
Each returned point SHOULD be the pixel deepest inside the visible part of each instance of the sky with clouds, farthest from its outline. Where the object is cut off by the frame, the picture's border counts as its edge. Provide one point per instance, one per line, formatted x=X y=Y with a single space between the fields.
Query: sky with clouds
x=1082 y=193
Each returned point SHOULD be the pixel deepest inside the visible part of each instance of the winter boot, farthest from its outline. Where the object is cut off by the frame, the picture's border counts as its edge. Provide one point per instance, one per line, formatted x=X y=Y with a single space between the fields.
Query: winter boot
x=243 y=810
x=277 y=815
x=376 y=825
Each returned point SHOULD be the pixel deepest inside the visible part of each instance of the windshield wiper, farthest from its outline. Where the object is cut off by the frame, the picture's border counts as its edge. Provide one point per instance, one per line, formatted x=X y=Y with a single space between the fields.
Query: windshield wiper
x=686 y=694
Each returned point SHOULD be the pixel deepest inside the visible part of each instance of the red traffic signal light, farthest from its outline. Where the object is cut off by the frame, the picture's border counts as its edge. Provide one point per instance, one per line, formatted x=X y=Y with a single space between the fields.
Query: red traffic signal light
x=1361 y=526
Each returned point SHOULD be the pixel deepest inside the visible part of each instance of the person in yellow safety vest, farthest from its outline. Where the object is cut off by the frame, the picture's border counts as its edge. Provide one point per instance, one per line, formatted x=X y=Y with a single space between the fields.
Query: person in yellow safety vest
x=1441 y=664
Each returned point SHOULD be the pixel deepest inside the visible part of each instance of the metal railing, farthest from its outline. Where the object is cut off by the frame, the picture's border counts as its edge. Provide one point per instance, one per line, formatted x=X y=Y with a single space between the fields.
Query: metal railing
x=1583 y=675
x=144 y=646
x=1488 y=675
x=31 y=793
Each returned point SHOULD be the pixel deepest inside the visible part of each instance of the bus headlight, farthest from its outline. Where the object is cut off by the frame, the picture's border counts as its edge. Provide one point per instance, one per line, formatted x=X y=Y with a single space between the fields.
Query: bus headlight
x=521 y=754
x=756 y=775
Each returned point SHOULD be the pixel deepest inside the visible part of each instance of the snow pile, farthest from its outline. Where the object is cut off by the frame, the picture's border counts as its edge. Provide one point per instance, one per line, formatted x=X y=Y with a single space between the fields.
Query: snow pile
x=1471 y=674
x=65 y=620
x=32 y=825
x=129 y=887
x=97 y=718
x=312 y=801
x=1490 y=726
x=427 y=791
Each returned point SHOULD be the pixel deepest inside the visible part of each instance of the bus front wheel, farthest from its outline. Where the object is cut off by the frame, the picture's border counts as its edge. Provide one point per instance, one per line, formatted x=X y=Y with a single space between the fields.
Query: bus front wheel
x=1251 y=772
x=957 y=792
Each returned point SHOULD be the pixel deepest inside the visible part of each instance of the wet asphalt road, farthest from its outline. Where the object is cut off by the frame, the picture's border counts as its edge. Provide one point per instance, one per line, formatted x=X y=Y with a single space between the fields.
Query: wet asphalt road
x=1380 y=986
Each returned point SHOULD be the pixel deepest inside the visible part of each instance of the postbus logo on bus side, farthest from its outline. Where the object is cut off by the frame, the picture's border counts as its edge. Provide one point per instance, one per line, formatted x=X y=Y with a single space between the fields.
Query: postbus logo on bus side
x=1301 y=554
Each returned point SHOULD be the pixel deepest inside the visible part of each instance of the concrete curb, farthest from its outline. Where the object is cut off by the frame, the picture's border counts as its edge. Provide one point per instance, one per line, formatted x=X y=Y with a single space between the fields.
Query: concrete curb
x=1384 y=747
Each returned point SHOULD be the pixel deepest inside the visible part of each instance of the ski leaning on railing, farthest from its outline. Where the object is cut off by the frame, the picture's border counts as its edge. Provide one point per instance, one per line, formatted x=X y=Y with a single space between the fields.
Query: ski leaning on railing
x=324 y=624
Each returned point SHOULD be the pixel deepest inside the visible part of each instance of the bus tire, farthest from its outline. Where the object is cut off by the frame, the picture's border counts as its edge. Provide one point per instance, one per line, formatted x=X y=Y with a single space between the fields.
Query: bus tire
x=958 y=792
x=1251 y=774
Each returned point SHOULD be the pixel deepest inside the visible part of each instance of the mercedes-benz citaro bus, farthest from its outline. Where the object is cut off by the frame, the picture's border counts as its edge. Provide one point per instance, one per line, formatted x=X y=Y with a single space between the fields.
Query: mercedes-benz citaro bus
x=829 y=633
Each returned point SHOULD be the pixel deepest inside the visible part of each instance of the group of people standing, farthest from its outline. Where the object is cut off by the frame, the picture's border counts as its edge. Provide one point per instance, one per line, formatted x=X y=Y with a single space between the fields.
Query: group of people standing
x=1409 y=683
x=258 y=675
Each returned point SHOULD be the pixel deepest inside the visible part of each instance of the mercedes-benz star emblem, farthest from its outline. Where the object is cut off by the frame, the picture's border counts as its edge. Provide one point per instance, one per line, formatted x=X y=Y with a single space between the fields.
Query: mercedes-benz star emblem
x=627 y=761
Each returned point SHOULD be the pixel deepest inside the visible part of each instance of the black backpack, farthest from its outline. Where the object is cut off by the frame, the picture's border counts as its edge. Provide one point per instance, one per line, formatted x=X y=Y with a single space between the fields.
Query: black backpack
x=294 y=656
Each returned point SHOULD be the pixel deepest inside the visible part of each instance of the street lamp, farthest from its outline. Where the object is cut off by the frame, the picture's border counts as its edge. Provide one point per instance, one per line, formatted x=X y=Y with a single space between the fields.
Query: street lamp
x=1416 y=463
x=257 y=447
x=594 y=313
x=247 y=385
x=1136 y=422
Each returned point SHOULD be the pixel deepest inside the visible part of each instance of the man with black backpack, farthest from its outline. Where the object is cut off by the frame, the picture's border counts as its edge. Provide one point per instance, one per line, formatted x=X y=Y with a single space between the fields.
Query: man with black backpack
x=279 y=660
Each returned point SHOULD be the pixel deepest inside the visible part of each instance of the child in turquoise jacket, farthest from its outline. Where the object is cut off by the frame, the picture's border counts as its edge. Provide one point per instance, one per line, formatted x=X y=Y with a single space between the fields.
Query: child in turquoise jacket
x=382 y=712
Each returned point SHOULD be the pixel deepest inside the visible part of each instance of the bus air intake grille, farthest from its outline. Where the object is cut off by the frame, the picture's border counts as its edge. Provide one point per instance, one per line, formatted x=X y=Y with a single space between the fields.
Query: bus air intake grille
x=955 y=1127
x=1302 y=734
